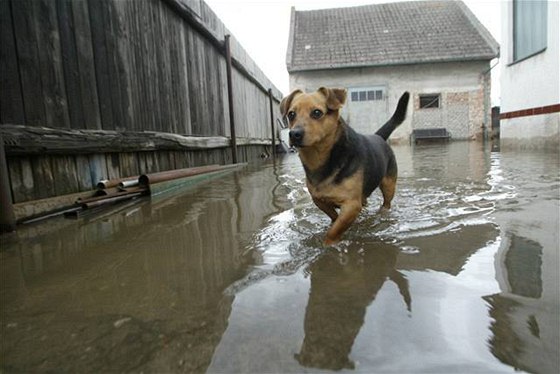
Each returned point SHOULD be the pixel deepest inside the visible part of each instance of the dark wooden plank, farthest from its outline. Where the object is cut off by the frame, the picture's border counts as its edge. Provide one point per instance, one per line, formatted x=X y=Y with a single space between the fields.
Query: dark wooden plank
x=160 y=61
x=95 y=9
x=86 y=66
x=113 y=166
x=11 y=102
x=128 y=164
x=64 y=174
x=183 y=97
x=135 y=82
x=28 y=56
x=42 y=177
x=153 y=85
x=120 y=25
x=70 y=63
x=52 y=74
x=98 y=168
x=83 y=173
x=111 y=28
x=21 y=178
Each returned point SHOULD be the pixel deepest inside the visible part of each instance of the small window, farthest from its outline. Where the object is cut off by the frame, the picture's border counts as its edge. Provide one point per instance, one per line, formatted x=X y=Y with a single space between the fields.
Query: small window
x=529 y=28
x=429 y=101
x=366 y=95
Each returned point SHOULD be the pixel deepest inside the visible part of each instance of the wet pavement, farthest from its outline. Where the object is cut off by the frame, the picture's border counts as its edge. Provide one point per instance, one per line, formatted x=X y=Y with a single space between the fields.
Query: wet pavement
x=462 y=275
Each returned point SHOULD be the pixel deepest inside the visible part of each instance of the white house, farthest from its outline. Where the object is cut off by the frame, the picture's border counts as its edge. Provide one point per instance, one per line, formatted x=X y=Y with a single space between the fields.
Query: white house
x=436 y=50
x=530 y=74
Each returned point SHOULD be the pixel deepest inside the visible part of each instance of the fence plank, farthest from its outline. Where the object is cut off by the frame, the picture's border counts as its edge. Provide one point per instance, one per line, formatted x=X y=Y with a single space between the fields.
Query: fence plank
x=64 y=174
x=42 y=177
x=11 y=102
x=86 y=67
x=95 y=9
x=52 y=75
x=70 y=63
x=28 y=58
x=83 y=173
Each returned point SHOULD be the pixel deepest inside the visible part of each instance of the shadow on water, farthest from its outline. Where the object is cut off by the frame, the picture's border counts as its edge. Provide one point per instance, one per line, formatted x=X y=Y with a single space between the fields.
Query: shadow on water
x=232 y=276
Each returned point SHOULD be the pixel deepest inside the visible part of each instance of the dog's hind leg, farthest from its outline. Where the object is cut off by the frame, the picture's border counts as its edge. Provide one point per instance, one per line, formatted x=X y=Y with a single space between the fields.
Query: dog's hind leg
x=388 y=186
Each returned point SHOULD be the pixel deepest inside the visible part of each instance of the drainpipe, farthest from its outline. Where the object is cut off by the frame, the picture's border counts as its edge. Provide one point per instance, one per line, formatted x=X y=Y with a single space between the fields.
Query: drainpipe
x=486 y=100
x=7 y=215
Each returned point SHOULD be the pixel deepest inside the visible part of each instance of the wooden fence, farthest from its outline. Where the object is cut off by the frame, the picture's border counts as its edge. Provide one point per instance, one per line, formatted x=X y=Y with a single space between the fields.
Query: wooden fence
x=78 y=74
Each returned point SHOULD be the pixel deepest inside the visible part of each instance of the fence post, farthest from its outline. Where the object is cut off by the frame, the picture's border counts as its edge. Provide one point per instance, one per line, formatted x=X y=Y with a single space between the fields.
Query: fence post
x=230 y=99
x=270 y=99
x=7 y=216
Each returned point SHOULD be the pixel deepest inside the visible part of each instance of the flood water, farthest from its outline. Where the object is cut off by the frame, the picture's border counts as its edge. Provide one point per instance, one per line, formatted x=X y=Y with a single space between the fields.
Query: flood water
x=461 y=275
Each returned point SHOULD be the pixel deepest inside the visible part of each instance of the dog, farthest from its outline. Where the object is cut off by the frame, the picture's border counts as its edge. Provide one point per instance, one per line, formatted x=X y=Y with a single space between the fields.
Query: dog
x=342 y=167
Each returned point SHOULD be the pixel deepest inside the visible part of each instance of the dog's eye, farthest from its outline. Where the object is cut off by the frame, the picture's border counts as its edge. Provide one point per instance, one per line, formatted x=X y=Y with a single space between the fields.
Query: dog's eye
x=291 y=115
x=316 y=114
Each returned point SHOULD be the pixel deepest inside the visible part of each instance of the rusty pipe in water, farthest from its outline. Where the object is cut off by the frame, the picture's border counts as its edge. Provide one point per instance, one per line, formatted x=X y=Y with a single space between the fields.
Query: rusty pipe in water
x=147 y=179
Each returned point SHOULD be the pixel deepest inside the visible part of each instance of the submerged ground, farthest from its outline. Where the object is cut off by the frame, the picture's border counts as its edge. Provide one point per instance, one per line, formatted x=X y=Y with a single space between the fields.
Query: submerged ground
x=462 y=275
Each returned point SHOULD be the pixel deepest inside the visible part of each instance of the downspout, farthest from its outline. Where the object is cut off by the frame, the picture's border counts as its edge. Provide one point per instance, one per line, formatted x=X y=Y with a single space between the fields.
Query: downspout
x=486 y=101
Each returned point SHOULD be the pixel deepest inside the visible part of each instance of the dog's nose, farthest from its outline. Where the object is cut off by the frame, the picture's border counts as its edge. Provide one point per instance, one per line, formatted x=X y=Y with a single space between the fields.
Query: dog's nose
x=296 y=136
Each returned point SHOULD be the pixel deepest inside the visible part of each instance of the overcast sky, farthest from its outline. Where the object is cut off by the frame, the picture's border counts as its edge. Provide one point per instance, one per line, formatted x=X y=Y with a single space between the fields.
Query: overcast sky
x=262 y=27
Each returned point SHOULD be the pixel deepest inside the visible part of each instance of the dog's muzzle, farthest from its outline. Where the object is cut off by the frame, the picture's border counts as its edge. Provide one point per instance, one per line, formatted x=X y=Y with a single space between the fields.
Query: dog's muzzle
x=296 y=137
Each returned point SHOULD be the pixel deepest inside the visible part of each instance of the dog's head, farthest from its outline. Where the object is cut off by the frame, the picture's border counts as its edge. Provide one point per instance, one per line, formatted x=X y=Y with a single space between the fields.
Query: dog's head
x=312 y=117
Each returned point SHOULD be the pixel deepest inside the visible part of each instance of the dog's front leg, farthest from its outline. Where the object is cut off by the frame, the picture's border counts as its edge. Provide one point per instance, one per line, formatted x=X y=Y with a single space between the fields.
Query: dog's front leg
x=348 y=213
x=327 y=208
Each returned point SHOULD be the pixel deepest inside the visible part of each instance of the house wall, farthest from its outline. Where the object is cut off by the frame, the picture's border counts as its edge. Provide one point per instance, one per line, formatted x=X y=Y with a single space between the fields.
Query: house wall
x=464 y=88
x=528 y=85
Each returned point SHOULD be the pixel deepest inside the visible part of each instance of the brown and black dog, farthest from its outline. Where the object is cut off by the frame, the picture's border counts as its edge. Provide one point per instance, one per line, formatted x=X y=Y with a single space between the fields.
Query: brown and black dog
x=342 y=167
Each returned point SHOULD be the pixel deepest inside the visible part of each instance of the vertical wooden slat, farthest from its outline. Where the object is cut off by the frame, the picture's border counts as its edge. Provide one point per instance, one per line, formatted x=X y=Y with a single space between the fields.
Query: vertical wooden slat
x=103 y=78
x=113 y=166
x=98 y=168
x=64 y=174
x=11 y=102
x=70 y=63
x=86 y=67
x=28 y=56
x=83 y=173
x=230 y=100
x=52 y=75
x=42 y=177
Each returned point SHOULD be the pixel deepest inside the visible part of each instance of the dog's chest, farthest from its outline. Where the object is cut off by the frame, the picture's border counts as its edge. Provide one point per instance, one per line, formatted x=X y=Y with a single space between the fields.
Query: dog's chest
x=337 y=193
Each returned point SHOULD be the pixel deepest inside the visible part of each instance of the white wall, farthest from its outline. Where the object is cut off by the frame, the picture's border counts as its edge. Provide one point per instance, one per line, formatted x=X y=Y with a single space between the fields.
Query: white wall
x=465 y=77
x=533 y=82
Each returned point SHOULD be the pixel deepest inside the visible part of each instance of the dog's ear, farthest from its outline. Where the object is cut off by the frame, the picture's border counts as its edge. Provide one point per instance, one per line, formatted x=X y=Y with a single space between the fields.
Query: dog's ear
x=285 y=103
x=336 y=97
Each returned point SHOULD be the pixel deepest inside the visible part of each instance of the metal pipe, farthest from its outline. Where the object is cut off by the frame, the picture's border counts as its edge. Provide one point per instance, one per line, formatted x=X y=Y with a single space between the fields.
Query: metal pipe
x=111 y=195
x=110 y=200
x=127 y=184
x=147 y=179
x=7 y=215
x=230 y=99
x=272 y=124
x=109 y=183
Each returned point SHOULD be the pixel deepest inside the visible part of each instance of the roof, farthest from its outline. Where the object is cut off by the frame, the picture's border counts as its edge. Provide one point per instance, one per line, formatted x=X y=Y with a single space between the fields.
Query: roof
x=387 y=34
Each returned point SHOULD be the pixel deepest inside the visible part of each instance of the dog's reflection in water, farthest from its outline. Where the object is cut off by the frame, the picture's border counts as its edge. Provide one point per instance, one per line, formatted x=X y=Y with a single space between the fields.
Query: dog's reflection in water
x=342 y=287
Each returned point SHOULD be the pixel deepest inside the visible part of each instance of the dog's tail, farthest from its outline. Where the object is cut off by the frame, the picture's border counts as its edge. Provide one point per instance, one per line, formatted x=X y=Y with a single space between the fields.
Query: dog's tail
x=397 y=118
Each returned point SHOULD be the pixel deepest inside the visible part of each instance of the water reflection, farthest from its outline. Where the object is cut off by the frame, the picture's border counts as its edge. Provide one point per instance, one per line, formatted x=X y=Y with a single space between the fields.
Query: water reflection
x=462 y=274
x=141 y=287
x=342 y=287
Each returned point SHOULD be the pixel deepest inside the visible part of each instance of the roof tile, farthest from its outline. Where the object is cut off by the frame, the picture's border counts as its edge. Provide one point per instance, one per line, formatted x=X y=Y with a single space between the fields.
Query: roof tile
x=387 y=34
